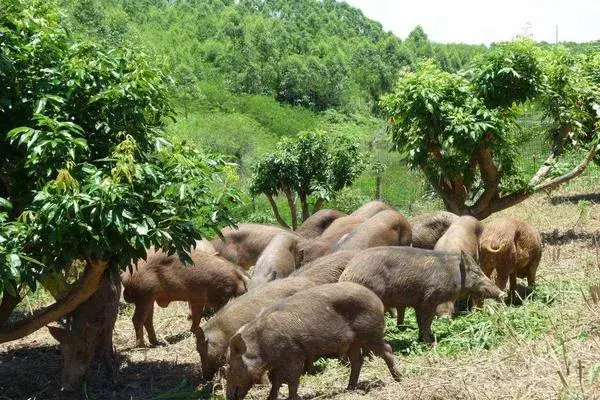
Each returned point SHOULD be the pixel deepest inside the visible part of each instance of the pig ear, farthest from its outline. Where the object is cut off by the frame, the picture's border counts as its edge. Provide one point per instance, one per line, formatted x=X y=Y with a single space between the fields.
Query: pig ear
x=237 y=344
x=57 y=333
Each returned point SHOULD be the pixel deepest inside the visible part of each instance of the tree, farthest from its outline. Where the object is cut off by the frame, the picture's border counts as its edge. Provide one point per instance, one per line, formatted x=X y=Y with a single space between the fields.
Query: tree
x=462 y=130
x=86 y=175
x=311 y=166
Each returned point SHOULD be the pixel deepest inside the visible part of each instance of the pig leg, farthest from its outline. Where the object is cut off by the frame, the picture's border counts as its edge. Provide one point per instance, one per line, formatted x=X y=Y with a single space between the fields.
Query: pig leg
x=196 y=309
x=424 y=319
x=140 y=315
x=149 y=324
x=293 y=372
x=276 y=382
x=384 y=351
x=356 y=360
x=400 y=317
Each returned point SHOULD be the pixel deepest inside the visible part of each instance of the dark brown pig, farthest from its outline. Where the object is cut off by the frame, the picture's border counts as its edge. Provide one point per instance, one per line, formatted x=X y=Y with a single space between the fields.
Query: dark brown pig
x=428 y=228
x=513 y=248
x=316 y=224
x=386 y=228
x=88 y=335
x=337 y=319
x=279 y=259
x=212 y=338
x=326 y=269
x=422 y=279
x=209 y=282
x=244 y=244
x=370 y=209
x=321 y=245
x=462 y=235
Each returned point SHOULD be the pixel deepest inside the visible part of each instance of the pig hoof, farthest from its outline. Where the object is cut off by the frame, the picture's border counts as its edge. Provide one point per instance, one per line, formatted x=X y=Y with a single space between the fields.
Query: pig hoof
x=140 y=345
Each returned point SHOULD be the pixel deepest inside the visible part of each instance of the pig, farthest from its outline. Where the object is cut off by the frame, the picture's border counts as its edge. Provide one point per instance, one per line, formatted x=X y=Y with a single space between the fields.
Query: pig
x=212 y=338
x=316 y=224
x=315 y=248
x=326 y=269
x=386 y=228
x=88 y=334
x=513 y=248
x=370 y=209
x=336 y=319
x=462 y=235
x=210 y=281
x=422 y=279
x=279 y=259
x=428 y=228
x=244 y=244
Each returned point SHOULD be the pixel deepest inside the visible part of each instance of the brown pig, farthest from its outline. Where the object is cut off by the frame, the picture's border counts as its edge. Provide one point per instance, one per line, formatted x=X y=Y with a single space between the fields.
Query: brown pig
x=316 y=224
x=212 y=338
x=422 y=279
x=462 y=235
x=513 y=248
x=244 y=244
x=386 y=228
x=370 y=209
x=326 y=269
x=428 y=228
x=279 y=259
x=337 y=319
x=321 y=245
x=88 y=334
x=210 y=281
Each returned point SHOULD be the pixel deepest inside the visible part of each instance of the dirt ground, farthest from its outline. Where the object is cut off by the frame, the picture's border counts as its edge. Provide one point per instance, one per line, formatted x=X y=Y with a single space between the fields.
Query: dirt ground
x=563 y=362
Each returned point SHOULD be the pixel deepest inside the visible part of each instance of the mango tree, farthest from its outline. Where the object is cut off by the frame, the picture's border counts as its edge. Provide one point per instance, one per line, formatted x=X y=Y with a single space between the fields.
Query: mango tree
x=311 y=167
x=462 y=130
x=88 y=182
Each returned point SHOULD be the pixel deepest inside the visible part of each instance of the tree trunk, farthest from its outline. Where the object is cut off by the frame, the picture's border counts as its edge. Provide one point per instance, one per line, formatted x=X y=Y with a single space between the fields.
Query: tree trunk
x=318 y=204
x=292 y=206
x=9 y=302
x=82 y=290
x=278 y=216
x=305 y=211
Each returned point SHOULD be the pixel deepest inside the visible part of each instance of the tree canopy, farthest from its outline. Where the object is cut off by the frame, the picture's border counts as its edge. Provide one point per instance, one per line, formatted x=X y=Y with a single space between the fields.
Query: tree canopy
x=462 y=129
x=86 y=173
x=312 y=166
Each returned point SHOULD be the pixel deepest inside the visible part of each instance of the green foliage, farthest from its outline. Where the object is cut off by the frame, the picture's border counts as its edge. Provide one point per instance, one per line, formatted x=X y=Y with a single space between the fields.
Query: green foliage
x=89 y=174
x=462 y=129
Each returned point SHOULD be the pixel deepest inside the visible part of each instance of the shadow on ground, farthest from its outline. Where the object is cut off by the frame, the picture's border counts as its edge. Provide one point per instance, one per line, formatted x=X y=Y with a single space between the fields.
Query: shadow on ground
x=575 y=198
x=33 y=372
x=556 y=237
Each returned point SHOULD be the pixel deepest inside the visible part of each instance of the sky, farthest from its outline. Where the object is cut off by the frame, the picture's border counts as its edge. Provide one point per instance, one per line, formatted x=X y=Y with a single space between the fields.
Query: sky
x=486 y=21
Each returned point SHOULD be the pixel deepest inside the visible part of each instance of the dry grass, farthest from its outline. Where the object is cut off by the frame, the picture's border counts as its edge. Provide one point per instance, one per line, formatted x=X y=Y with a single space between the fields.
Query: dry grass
x=549 y=347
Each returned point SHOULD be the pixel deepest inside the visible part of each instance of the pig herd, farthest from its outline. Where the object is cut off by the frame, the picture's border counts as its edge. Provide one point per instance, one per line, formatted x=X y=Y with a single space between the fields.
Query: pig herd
x=282 y=299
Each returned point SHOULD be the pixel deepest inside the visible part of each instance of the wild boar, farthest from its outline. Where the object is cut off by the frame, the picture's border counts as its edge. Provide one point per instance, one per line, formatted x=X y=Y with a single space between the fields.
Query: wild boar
x=210 y=281
x=279 y=259
x=316 y=224
x=321 y=245
x=244 y=244
x=422 y=279
x=88 y=335
x=428 y=228
x=326 y=269
x=337 y=319
x=513 y=248
x=370 y=209
x=386 y=228
x=212 y=338
x=462 y=235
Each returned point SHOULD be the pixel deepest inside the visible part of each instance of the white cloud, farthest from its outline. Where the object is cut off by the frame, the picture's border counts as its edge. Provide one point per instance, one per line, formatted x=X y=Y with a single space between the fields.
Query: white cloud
x=485 y=21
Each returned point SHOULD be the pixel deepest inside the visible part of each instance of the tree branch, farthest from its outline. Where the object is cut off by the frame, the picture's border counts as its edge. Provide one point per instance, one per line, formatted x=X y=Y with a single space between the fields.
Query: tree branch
x=292 y=205
x=304 y=205
x=489 y=175
x=318 y=204
x=276 y=211
x=9 y=302
x=85 y=287
x=517 y=197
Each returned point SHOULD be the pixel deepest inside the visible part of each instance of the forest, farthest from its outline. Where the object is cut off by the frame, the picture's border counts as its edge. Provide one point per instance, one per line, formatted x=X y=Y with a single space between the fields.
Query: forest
x=237 y=155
